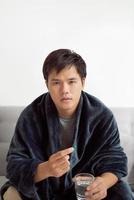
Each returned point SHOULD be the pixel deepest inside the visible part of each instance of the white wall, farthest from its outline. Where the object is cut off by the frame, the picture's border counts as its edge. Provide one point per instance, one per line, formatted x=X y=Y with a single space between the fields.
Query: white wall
x=102 y=31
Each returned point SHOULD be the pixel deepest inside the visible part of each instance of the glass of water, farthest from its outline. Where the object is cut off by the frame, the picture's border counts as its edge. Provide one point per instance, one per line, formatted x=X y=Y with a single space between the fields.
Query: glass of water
x=82 y=181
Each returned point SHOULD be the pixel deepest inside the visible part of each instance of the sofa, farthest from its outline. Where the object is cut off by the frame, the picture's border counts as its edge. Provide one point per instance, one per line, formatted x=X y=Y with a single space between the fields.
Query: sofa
x=124 y=117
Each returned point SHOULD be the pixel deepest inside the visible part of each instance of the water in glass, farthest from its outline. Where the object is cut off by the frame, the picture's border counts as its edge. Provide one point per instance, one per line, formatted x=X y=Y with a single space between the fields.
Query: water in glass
x=80 y=189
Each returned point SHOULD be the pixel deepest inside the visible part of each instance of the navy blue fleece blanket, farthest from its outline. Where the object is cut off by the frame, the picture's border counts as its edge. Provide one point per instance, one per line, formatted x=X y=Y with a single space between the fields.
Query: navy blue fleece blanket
x=36 y=137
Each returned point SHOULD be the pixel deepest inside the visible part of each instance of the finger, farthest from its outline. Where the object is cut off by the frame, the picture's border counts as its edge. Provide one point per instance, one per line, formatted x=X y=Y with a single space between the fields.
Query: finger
x=65 y=165
x=60 y=171
x=65 y=168
x=63 y=153
x=92 y=193
x=55 y=165
x=61 y=162
x=94 y=185
x=65 y=158
x=99 y=195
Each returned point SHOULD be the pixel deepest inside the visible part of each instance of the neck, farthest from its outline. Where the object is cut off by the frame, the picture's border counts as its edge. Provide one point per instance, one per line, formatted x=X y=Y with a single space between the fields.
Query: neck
x=66 y=115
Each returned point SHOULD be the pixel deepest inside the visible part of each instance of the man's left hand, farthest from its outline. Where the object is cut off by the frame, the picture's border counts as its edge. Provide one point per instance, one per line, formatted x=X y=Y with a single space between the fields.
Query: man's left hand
x=97 y=190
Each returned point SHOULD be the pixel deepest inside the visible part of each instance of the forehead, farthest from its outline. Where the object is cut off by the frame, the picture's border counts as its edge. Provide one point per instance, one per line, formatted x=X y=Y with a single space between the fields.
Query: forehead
x=67 y=72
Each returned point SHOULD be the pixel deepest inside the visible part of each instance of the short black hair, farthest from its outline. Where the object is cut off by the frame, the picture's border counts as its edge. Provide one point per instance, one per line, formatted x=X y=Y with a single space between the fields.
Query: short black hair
x=61 y=58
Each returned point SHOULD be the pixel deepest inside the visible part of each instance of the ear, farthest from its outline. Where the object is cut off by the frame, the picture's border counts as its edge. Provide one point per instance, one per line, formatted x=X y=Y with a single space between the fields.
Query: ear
x=83 y=82
x=46 y=82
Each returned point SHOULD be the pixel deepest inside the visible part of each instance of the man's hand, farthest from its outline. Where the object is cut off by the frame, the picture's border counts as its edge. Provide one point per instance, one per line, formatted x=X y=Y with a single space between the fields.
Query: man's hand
x=98 y=189
x=58 y=164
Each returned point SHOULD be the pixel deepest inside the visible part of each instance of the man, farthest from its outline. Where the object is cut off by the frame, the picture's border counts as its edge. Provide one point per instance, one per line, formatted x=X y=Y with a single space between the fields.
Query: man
x=64 y=132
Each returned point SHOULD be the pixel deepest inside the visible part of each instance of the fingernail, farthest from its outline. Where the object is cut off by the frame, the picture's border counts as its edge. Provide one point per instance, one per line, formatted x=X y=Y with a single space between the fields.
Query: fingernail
x=72 y=148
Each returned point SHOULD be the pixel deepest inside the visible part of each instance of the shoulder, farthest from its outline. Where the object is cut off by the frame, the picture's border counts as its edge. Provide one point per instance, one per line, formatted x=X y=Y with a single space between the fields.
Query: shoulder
x=34 y=109
x=99 y=114
x=95 y=105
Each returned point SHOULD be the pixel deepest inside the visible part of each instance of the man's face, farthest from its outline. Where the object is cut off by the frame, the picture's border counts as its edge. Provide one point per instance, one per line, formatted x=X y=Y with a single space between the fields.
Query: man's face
x=65 y=89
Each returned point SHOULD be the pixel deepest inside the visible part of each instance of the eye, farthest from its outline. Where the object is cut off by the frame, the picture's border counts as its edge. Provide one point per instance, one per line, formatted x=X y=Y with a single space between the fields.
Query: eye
x=56 y=83
x=72 y=81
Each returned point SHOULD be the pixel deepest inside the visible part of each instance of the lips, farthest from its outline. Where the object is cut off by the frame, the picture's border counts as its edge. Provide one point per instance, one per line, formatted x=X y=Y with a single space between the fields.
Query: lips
x=66 y=99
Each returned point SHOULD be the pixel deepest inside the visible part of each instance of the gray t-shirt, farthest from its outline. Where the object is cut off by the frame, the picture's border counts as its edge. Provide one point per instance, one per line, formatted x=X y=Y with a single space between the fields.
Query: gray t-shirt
x=66 y=131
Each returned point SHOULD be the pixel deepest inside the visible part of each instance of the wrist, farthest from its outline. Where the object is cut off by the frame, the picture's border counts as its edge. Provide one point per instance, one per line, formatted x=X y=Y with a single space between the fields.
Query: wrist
x=42 y=172
x=109 y=179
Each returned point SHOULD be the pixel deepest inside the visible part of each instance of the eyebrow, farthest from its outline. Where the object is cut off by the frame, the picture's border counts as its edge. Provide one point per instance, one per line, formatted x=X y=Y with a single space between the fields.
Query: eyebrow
x=70 y=79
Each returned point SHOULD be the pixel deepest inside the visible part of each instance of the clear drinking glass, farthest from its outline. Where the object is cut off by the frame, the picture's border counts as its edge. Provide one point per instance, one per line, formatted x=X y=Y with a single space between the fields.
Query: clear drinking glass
x=82 y=180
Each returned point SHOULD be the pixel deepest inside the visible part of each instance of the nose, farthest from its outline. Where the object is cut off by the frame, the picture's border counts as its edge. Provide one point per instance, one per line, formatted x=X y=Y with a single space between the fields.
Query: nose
x=65 y=88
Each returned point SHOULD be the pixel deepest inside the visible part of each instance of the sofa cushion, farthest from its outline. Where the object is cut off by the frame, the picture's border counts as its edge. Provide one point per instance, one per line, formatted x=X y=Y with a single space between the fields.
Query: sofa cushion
x=3 y=179
x=125 y=121
x=8 y=119
x=4 y=146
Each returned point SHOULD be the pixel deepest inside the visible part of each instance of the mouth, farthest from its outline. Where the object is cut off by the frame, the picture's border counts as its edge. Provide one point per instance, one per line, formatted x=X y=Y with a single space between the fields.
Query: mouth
x=66 y=99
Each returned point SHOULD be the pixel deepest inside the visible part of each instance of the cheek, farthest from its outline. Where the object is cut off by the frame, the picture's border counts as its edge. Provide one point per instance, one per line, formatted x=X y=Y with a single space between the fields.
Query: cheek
x=52 y=91
x=76 y=94
x=54 y=95
x=78 y=89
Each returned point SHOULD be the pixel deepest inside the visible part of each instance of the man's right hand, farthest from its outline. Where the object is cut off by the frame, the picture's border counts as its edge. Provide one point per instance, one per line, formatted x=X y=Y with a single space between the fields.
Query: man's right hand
x=57 y=165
